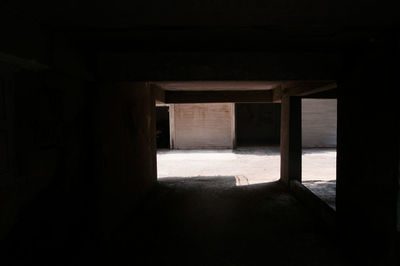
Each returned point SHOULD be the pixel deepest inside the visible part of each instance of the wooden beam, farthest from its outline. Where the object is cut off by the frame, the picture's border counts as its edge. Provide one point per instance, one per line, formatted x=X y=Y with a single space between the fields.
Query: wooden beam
x=219 y=96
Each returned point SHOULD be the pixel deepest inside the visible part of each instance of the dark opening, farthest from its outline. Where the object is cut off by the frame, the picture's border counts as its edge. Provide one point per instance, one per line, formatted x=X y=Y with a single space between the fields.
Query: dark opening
x=258 y=124
x=162 y=127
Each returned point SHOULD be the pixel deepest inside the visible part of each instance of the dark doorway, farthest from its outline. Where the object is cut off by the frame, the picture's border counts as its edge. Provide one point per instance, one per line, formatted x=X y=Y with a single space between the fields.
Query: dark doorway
x=162 y=127
x=257 y=124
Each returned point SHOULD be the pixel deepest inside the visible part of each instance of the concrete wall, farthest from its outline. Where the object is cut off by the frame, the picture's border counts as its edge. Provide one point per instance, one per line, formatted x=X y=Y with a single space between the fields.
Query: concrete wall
x=83 y=153
x=368 y=155
x=319 y=122
x=202 y=126
x=50 y=144
x=125 y=149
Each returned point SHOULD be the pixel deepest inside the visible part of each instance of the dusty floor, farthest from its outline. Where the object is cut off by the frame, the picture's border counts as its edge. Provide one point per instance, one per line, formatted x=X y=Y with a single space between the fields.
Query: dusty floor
x=253 y=165
x=211 y=221
x=200 y=220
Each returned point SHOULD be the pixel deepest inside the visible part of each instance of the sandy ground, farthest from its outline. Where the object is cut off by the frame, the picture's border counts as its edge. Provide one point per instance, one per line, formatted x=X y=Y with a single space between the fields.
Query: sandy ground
x=251 y=165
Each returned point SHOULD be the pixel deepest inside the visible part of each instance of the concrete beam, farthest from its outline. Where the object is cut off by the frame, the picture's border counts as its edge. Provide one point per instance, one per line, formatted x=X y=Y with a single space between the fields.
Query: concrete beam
x=218 y=96
x=302 y=88
x=158 y=92
x=218 y=66
x=329 y=94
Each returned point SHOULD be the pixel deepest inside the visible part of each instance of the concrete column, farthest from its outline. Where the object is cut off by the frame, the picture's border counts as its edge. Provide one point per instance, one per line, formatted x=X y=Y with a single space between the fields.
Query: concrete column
x=290 y=139
x=125 y=149
x=367 y=158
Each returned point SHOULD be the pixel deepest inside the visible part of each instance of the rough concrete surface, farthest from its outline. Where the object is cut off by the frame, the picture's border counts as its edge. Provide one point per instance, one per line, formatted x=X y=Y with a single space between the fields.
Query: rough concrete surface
x=251 y=165
x=211 y=221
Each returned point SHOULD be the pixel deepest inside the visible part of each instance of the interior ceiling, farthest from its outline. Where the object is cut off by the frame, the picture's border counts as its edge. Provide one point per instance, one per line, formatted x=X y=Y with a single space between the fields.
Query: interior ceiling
x=133 y=13
x=216 y=85
x=121 y=26
x=237 y=30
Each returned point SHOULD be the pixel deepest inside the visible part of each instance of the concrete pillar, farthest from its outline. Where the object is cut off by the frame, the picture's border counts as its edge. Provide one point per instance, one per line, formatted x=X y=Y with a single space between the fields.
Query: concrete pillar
x=125 y=149
x=290 y=139
x=367 y=157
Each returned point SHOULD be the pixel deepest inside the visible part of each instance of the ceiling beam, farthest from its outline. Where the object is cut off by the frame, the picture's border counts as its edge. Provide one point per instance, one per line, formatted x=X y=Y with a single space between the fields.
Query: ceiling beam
x=302 y=89
x=218 y=66
x=219 y=96
x=159 y=93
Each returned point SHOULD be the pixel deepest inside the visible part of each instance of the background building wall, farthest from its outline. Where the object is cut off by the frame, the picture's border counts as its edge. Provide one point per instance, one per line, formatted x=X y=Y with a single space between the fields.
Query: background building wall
x=202 y=126
x=319 y=120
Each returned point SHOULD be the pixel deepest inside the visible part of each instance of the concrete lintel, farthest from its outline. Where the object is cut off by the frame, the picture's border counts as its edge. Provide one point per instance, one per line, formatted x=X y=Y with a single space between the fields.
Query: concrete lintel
x=218 y=96
x=159 y=93
x=302 y=88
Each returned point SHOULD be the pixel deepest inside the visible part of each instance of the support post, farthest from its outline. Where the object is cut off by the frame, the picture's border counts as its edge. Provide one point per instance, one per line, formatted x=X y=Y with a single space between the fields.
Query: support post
x=125 y=144
x=290 y=139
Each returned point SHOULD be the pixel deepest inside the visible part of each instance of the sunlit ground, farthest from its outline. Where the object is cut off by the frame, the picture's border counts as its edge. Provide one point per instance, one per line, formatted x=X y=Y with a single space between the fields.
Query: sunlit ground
x=251 y=166
x=319 y=173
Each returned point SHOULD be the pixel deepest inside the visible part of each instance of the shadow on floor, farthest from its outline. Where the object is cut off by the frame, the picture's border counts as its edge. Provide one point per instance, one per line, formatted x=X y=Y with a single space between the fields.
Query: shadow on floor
x=258 y=150
x=190 y=221
x=324 y=189
x=200 y=181
x=318 y=150
x=193 y=221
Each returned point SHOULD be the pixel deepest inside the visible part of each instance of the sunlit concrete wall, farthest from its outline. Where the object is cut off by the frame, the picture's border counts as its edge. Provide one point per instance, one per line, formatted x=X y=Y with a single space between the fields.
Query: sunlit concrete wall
x=319 y=122
x=201 y=126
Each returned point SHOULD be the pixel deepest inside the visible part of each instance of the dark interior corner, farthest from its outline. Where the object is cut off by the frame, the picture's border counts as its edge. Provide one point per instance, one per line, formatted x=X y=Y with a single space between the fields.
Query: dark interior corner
x=258 y=124
x=162 y=127
x=79 y=83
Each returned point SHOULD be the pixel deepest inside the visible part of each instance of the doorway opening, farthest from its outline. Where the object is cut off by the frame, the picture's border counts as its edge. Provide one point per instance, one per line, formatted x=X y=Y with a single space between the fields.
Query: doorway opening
x=162 y=127
x=203 y=138
x=319 y=129
x=258 y=124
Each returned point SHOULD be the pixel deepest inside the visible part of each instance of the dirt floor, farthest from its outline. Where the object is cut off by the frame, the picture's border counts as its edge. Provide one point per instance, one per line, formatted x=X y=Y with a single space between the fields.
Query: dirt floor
x=251 y=165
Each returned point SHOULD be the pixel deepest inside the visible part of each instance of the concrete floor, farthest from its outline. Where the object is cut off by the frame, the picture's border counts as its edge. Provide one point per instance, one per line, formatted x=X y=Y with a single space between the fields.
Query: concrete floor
x=211 y=221
x=236 y=218
x=251 y=165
